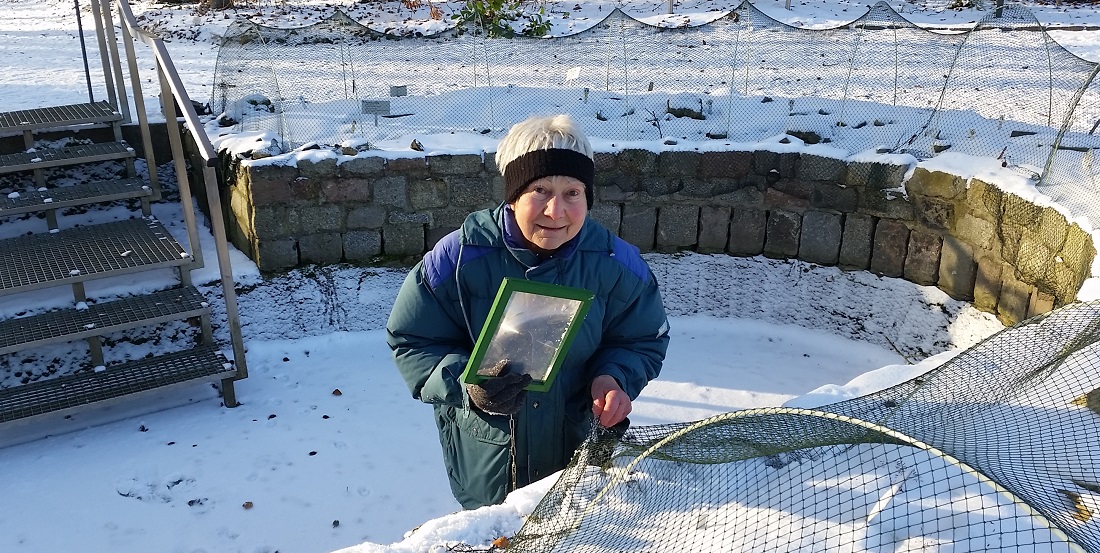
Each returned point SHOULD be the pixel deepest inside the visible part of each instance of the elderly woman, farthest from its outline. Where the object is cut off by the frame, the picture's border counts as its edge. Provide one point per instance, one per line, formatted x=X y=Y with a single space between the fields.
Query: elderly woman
x=496 y=436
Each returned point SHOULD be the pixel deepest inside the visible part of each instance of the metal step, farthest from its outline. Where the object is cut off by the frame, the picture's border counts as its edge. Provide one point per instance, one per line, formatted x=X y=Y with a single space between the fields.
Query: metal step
x=57 y=117
x=203 y=363
x=36 y=261
x=69 y=196
x=70 y=324
x=43 y=158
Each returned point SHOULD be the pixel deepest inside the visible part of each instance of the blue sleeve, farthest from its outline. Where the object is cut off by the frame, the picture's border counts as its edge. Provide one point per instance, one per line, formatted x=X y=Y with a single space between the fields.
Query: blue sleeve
x=429 y=341
x=636 y=338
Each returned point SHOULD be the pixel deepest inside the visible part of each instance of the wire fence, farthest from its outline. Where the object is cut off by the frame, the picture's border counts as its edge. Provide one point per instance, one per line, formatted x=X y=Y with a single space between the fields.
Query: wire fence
x=1004 y=90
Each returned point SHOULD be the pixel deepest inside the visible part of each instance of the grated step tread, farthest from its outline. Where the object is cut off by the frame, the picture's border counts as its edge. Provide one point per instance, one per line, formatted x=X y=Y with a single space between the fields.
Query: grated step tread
x=36 y=261
x=58 y=116
x=43 y=158
x=202 y=363
x=98 y=319
x=77 y=194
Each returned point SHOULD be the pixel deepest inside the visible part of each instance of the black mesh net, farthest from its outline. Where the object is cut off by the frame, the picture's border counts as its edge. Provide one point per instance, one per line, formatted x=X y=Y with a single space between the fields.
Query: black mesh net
x=995 y=450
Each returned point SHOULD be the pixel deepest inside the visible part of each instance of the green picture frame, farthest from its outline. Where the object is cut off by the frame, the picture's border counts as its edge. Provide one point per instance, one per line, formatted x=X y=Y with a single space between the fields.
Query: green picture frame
x=532 y=325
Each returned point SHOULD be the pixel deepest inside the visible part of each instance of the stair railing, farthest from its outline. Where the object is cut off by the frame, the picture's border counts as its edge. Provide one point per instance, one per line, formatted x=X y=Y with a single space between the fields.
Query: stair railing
x=172 y=95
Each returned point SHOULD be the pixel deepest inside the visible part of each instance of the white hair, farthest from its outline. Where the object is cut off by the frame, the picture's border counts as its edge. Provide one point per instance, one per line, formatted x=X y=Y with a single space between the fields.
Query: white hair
x=541 y=133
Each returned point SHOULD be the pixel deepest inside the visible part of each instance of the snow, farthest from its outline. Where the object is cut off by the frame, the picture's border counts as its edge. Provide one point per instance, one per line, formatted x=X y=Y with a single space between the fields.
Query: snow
x=327 y=450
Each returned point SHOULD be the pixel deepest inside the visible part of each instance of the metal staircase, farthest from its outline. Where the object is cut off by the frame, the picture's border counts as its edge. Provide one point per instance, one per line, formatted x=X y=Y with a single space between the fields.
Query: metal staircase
x=55 y=257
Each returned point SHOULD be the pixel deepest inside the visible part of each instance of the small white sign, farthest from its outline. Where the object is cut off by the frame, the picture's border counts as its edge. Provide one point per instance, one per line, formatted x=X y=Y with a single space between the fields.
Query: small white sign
x=376 y=107
x=573 y=74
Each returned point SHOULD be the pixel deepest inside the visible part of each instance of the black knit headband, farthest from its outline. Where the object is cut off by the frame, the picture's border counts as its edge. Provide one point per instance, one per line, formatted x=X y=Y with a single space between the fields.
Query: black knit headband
x=537 y=164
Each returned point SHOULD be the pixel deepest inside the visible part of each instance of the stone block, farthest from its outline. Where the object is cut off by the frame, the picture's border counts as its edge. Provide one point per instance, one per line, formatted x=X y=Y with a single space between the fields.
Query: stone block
x=794 y=188
x=320 y=169
x=678 y=164
x=617 y=186
x=639 y=226
x=778 y=199
x=604 y=162
x=784 y=228
x=416 y=218
x=324 y=248
x=922 y=261
x=657 y=186
x=987 y=284
x=473 y=192
x=677 y=227
x=362 y=245
x=934 y=213
x=455 y=164
x=392 y=191
x=1019 y=212
x=743 y=196
x=1061 y=281
x=407 y=166
x=821 y=237
x=691 y=187
x=608 y=215
x=764 y=161
x=365 y=217
x=1053 y=229
x=1010 y=236
x=819 y=168
x=637 y=162
x=1033 y=259
x=984 y=200
x=320 y=218
x=937 y=184
x=450 y=217
x=276 y=222
x=836 y=197
x=875 y=176
x=403 y=239
x=276 y=254
x=346 y=190
x=363 y=166
x=1014 y=300
x=748 y=228
x=1040 y=303
x=977 y=231
x=885 y=204
x=856 y=242
x=428 y=193
x=489 y=162
x=889 y=249
x=305 y=190
x=732 y=165
x=958 y=269
x=788 y=165
x=271 y=184
x=714 y=222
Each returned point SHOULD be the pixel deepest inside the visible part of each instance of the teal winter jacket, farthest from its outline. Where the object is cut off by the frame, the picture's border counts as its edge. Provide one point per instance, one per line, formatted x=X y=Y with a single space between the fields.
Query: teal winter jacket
x=439 y=313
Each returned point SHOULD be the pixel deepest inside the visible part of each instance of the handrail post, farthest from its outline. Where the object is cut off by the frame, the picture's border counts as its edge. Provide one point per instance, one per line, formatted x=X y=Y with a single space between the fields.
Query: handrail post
x=139 y=107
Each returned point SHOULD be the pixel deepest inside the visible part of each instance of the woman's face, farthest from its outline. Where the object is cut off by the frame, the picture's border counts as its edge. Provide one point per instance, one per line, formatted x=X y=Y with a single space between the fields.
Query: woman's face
x=550 y=212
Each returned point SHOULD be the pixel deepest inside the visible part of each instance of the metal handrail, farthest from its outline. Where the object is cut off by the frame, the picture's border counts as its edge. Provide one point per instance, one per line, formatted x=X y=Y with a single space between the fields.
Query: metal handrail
x=172 y=88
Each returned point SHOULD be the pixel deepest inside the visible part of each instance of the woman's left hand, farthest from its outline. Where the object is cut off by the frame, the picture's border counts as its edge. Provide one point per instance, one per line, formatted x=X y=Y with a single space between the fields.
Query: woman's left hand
x=610 y=404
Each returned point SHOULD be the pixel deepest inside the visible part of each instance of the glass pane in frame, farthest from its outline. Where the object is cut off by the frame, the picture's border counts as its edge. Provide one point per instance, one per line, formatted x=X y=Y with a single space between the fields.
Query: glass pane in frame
x=531 y=325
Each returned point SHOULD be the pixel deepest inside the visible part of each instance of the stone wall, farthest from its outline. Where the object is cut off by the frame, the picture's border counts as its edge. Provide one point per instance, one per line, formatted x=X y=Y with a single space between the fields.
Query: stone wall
x=977 y=243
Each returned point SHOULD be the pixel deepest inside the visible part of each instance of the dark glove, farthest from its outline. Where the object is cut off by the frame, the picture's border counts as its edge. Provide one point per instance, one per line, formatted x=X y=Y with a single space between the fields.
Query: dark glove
x=501 y=394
